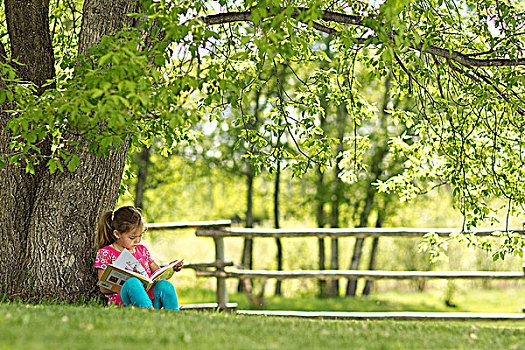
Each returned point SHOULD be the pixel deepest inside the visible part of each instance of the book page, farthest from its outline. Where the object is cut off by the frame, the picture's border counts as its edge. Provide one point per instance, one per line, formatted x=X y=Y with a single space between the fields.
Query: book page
x=166 y=272
x=128 y=262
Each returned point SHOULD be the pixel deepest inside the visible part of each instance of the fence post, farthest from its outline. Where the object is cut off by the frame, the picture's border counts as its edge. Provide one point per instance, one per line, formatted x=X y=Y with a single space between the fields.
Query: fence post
x=222 y=291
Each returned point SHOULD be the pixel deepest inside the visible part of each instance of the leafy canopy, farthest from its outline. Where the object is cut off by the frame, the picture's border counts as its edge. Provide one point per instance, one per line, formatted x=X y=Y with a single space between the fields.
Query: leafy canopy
x=460 y=62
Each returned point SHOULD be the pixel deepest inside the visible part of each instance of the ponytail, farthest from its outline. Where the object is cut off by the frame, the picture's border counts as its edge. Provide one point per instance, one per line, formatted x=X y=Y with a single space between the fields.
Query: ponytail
x=105 y=232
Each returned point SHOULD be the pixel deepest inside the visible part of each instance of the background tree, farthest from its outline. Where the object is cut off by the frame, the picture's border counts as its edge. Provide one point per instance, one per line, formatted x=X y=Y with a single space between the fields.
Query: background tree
x=143 y=164
x=380 y=167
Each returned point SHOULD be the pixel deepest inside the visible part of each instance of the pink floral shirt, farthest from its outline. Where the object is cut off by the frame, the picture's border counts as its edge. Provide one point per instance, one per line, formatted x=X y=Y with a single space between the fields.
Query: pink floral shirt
x=107 y=255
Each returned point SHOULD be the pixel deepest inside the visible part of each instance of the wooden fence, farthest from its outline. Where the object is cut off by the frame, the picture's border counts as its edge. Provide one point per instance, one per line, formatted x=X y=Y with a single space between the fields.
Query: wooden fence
x=214 y=225
x=221 y=229
x=221 y=274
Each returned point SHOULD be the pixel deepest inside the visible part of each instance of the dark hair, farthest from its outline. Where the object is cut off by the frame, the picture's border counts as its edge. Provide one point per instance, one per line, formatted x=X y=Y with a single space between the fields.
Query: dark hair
x=123 y=220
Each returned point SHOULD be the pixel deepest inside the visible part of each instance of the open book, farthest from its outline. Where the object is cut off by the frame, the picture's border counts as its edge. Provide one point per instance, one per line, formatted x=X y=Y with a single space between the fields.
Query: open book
x=127 y=266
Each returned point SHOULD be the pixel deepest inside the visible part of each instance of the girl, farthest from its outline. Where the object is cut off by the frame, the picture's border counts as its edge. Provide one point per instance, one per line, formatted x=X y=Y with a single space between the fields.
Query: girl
x=123 y=229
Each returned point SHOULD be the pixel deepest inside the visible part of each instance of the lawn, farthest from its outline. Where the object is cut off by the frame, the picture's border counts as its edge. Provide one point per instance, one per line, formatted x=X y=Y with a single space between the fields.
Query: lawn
x=95 y=327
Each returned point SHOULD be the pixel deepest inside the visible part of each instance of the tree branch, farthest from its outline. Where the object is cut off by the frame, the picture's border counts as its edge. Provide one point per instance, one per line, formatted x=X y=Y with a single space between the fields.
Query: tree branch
x=335 y=17
x=228 y=17
x=487 y=81
x=466 y=60
x=245 y=16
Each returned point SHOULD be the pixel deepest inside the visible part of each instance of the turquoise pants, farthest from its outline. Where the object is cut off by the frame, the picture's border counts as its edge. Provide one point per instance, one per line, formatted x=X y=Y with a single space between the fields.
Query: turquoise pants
x=164 y=295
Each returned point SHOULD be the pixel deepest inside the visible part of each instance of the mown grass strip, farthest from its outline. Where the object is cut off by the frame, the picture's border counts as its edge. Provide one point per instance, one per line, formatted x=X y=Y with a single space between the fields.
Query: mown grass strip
x=422 y=316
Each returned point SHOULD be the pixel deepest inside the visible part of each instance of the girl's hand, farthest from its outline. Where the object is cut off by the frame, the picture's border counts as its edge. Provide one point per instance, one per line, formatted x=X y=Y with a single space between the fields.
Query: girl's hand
x=178 y=267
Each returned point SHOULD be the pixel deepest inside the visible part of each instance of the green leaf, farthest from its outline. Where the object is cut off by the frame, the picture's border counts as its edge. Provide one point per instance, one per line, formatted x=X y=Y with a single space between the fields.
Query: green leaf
x=74 y=162
x=159 y=60
x=52 y=165
x=30 y=168
x=106 y=59
x=96 y=93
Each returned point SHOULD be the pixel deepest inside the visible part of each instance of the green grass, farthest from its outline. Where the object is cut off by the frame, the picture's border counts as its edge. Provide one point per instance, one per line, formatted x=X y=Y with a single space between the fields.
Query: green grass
x=50 y=326
x=95 y=327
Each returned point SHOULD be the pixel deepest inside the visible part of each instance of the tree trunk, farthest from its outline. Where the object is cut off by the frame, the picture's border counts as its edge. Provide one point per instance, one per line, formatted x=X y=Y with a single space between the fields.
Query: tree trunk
x=247 y=249
x=351 y=286
x=373 y=254
x=371 y=265
x=31 y=44
x=373 y=251
x=142 y=175
x=334 y=223
x=376 y=171
x=337 y=197
x=104 y=17
x=49 y=220
x=279 y=256
x=321 y=223
x=333 y=290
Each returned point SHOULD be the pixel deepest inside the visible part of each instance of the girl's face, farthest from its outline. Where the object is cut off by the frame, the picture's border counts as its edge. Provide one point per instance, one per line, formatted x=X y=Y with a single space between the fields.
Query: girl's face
x=129 y=239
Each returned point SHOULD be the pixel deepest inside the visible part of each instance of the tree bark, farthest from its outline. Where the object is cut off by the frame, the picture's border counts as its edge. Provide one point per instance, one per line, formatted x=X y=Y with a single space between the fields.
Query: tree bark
x=351 y=287
x=333 y=289
x=104 y=17
x=49 y=220
x=31 y=45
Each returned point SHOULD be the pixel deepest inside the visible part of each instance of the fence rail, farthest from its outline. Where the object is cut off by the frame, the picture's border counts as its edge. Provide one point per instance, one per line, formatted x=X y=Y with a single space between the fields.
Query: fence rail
x=363 y=274
x=364 y=232
x=187 y=225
